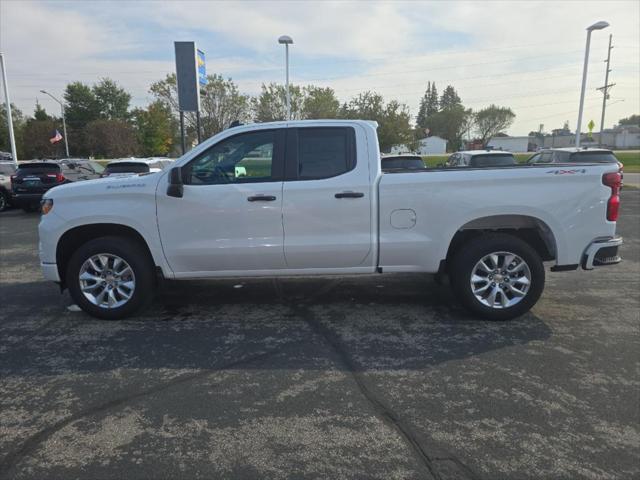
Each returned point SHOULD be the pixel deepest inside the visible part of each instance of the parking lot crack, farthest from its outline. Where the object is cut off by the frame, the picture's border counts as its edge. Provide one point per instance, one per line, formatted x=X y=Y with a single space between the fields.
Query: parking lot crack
x=439 y=468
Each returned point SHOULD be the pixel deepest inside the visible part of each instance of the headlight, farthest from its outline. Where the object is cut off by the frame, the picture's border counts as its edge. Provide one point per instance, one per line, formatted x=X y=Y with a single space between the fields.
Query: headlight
x=46 y=205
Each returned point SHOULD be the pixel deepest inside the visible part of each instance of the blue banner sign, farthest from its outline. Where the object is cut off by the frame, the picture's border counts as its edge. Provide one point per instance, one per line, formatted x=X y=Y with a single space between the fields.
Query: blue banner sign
x=202 y=68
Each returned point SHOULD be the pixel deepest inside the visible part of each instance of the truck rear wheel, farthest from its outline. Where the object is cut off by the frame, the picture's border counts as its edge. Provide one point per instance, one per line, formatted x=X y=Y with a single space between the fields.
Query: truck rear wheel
x=497 y=276
x=110 y=277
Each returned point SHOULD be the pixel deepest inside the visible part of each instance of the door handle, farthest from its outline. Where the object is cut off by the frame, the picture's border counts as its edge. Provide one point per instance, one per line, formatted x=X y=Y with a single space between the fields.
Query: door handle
x=261 y=198
x=349 y=195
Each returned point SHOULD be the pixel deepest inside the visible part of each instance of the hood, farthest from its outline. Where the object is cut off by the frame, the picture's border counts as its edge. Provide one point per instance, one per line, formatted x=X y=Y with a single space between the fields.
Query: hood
x=106 y=186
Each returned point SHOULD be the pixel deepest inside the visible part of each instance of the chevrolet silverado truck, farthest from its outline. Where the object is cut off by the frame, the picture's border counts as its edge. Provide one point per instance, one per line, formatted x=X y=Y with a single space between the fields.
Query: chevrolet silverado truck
x=313 y=200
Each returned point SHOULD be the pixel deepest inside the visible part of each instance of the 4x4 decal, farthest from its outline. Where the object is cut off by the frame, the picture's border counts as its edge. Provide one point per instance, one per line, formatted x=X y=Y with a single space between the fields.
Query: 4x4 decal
x=570 y=172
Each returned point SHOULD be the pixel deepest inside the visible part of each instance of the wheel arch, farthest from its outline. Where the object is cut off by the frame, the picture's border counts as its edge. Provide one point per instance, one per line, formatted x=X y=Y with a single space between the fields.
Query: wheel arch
x=73 y=238
x=532 y=230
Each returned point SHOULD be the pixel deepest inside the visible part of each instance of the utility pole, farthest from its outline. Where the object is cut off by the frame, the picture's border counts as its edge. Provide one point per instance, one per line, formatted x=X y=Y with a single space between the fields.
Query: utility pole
x=605 y=89
x=12 y=138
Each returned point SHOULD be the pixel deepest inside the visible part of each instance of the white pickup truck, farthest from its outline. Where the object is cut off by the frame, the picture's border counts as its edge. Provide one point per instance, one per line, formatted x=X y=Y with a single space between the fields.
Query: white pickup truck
x=314 y=201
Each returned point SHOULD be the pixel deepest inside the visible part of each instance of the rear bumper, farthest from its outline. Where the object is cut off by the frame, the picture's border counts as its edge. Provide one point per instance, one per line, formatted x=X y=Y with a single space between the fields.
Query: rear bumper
x=20 y=199
x=50 y=271
x=602 y=252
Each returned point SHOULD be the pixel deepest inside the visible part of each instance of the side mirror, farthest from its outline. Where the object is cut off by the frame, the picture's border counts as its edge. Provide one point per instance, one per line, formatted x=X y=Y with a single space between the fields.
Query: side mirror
x=176 y=187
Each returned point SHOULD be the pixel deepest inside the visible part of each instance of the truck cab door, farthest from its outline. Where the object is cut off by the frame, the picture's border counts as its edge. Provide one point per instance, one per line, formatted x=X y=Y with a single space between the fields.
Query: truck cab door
x=327 y=199
x=229 y=218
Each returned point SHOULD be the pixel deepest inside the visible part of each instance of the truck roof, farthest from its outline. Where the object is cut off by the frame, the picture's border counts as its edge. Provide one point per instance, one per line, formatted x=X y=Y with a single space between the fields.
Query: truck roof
x=575 y=149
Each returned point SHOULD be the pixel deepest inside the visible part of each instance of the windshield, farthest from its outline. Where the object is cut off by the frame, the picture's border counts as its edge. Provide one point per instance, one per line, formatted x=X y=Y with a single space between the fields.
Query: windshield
x=492 y=160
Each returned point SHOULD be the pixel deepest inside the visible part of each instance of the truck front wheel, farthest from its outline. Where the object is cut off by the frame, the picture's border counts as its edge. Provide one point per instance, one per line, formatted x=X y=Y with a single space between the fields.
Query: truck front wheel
x=110 y=277
x=497 y=276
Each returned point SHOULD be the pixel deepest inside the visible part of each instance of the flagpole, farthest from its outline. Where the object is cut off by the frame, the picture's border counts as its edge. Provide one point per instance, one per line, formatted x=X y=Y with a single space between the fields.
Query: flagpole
x=12 y=139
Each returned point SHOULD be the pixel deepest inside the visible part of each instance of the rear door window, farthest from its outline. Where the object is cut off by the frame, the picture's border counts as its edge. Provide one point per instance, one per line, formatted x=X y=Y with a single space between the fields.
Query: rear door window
x=325 y=152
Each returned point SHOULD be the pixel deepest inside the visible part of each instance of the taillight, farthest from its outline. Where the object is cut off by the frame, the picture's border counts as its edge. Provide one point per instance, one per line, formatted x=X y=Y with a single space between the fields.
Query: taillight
x=613 y=180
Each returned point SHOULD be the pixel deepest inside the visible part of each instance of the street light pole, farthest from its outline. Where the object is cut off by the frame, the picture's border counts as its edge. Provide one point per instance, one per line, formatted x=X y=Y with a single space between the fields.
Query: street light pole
x=286 y=41
x=12 y=139
x=64 y=122
x=596 y=26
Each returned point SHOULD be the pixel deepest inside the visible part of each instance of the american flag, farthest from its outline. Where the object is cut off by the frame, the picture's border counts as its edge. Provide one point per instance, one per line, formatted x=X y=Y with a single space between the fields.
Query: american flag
x=56 y=137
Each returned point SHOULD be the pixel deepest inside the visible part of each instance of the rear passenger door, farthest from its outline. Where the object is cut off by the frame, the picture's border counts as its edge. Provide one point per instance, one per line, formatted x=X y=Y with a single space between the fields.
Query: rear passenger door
x=326 y=210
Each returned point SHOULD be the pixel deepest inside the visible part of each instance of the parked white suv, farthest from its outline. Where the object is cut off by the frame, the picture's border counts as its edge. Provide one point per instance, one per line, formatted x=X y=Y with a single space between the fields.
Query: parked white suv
x=314 y=201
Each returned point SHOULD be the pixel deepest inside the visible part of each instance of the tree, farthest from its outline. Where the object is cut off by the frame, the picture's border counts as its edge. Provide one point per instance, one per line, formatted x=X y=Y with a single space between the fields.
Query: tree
x=221 y=104
x=112 y=101
x=393 y=119
x=81 y=105
x=450 y=124
x=449 y=98
x=40 y=113
x=492 y=120
x=154 y=129
x=320 y=103
x=110 y=139
x=429 y=105
x=633 y=120
x=18 y=127
x=36 y=139
x=271 y=105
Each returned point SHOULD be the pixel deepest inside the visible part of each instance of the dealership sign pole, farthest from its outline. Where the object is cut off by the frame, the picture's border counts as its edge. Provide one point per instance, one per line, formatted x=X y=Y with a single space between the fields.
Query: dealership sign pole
x=190 y=74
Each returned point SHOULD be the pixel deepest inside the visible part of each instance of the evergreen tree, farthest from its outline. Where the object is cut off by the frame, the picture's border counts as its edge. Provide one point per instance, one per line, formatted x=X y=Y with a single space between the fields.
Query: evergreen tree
x=449 y=99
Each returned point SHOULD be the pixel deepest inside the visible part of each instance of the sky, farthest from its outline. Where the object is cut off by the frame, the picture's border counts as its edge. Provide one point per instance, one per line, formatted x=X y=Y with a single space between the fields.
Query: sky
x=526 y=55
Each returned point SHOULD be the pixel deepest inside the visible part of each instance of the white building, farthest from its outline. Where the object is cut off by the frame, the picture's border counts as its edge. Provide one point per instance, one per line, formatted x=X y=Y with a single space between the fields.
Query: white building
x=509 y=144
x=427 y=146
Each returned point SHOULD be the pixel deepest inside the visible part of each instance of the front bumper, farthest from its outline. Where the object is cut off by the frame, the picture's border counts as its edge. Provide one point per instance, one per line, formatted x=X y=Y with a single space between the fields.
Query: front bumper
x=602 y=252
x=50 y=271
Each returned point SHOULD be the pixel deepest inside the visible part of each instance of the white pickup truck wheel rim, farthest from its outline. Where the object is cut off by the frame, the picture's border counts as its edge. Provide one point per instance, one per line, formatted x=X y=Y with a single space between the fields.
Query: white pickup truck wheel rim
x=107 y=281
x=500 y=280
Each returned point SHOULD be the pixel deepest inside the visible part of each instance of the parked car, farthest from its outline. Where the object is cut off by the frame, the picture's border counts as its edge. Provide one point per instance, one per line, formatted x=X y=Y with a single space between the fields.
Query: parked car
x=326 y=208
x=32 y=179
x=575 y=155
x=134 y=166
x=78 y=169
x=481 y=158
x=6 y=170
x=408 y=162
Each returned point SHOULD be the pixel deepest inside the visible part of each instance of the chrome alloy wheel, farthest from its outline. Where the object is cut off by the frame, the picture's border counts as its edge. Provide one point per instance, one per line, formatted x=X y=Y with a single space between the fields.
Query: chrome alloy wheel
x=500 y=280
x=107 y=281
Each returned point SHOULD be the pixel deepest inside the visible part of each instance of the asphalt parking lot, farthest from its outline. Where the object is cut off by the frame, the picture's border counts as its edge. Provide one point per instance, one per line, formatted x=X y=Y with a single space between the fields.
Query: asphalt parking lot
x=378 y=377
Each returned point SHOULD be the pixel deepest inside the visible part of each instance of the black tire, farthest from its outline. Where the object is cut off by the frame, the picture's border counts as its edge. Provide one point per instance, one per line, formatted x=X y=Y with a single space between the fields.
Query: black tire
x=4 y=200
x=131 y=252
x=476 y=249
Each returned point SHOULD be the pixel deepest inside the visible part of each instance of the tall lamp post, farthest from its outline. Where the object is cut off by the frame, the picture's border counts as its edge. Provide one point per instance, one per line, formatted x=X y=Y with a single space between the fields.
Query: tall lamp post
x=64 y=122
x=286 y=40
x=596 y=26
x=12 y=138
